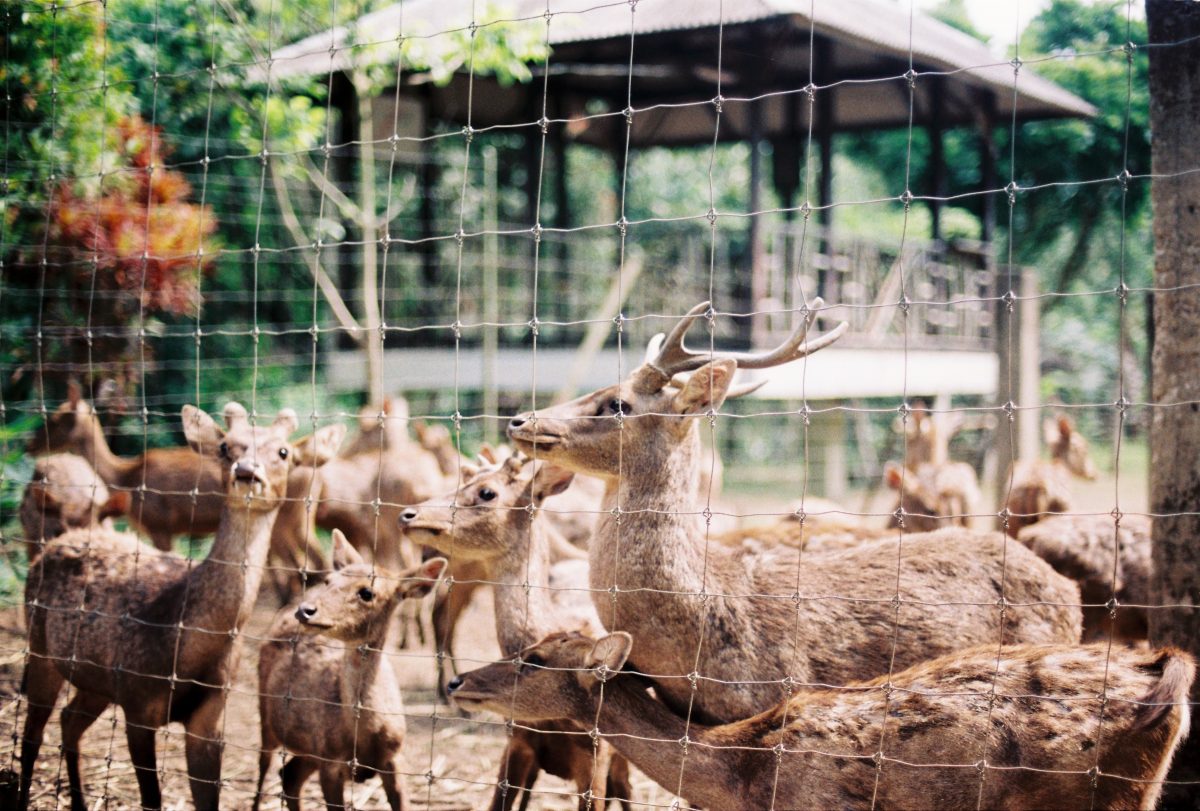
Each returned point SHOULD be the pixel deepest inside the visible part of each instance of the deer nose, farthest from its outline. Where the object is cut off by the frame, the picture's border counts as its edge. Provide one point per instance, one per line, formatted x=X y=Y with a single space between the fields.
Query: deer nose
x=244 y=471
x=408 y=516
x=518 y=421
x=454 y=684
x=306 y=612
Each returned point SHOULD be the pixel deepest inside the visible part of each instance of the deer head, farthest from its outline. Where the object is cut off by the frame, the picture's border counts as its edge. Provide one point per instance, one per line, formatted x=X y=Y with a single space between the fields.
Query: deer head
x=550 y=680
x=256 y=460
x=479 y=520
x=69 y=424
x=638 y=420
x=933 y=495
x=357 y=595
x=1069 y=447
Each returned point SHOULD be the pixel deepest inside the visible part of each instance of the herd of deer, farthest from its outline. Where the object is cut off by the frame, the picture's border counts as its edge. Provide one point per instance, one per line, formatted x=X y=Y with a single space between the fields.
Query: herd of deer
x=813 y=663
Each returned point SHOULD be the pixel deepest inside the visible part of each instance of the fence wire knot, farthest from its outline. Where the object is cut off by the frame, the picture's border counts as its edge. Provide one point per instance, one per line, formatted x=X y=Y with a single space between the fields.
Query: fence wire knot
x=718 y=102
x=910 y=76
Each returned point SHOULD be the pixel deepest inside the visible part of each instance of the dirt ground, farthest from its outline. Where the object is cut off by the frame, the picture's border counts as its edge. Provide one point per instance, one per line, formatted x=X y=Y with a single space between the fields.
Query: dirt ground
x=460 y=754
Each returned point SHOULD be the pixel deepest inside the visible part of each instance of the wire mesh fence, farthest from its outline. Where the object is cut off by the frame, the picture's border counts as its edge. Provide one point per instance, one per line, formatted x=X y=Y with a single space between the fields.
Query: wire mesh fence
x=428 y=248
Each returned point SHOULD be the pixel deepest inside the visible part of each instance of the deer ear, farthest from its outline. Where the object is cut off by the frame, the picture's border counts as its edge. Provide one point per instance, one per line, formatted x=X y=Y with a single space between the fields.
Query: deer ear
x=74 y=392
x=202 y=432
x=706 y=388
x=318 y=448
x=550 y=480
x=424 y=578
x=117 y=504
x=893 y=474
x=1065 y=427
x=344 y=553
x=468 y=471
x=286 y=422
x=610 y=651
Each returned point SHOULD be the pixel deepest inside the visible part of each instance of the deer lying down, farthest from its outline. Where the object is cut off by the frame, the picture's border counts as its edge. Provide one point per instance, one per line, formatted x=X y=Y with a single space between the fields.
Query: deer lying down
x=1086 y=548
x=1047 y=729
x=745 y=620
x=933 y=495
x=488 y=523
x=64 y=493
x=326 y=691
x=154 y=632
x=1039 y=488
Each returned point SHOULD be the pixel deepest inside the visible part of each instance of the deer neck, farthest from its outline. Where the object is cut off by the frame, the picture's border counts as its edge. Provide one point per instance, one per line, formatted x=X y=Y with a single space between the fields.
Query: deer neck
x=113 y=469
x=363 y=659
x=524 y=611
x=224 y=586
x=647 y=733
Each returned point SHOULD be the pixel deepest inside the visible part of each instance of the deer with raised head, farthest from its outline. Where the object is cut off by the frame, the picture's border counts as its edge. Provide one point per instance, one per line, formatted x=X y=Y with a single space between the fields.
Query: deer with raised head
x=1038 y=488
x=327 y=693
x=495 y=521
x=744 y=621
x=64 y=493
x=1109 y=559
x=1027 y=726
x=172 y=491
x=151 y=631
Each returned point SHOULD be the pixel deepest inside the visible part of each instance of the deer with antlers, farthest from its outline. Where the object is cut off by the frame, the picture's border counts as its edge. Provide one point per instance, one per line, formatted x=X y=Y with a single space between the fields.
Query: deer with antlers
x=721 y=629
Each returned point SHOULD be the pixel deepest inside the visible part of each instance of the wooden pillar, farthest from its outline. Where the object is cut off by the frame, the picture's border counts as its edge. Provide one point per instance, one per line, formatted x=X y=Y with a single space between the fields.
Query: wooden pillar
x=987 y=166
x=758 y=258
x=785 y=158
x=937 y=157
x=562 y=219
x=825 y=126
x=1019 y=373
x=428 y=178
x=1175 y=423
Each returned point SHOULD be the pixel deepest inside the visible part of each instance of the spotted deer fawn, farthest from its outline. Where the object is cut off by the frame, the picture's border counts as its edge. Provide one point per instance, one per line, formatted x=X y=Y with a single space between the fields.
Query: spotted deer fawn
x=172 y=491
x=1039 y=488
x=327 y=693
x=488 y=522
x=744 y=620
x=153 y=632
x=64 y=493
x=1027 y=726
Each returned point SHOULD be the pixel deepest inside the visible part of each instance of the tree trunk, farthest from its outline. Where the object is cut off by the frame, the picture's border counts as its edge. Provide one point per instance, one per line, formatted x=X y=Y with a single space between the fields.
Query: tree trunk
x=369 y=281
x=1175 y=429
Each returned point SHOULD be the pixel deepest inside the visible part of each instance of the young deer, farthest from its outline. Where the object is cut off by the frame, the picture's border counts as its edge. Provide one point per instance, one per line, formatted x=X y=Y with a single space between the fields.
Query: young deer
x=327 y=693
x=494 y=520
x=153 y=632
x=1045 y=726
x=1086 y=548
x=935 y=494
x=172 y=491
x=1039 y=488
x=745 y=620
x=64 y=493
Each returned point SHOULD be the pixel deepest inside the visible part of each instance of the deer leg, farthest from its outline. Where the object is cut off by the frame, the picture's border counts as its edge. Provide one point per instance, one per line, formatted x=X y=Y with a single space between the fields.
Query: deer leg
x=393 y=785
x=203 y=746
x=161 y=540
x=292 y=775
x=43 y=683
x=265 y=756
x=619 y=786
x=79 y=714
x=333 y=785
x=518 y=771
x=141 y=752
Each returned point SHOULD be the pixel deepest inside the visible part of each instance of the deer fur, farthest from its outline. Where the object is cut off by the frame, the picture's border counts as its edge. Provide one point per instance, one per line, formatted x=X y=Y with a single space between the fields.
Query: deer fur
x=730 y=615
x=295 y=553
x=160 y=482
x=1039 y=488
x=151 y=631
x=64 y=493
x=327 y=693
x=1033 y=715
x=934 y=495
x=488 y=522
x=1101 y=555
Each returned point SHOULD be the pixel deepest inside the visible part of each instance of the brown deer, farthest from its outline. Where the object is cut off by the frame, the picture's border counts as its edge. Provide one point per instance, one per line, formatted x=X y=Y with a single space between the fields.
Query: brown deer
x=151 y=631
x=495 y=521
x=1038 y=488
x=934 y=495
x=64 y=493
x=173 y=491
x=1101 y=555
x=295 y=553
x=1029 y=726
x=327 y=693
x=745 y=621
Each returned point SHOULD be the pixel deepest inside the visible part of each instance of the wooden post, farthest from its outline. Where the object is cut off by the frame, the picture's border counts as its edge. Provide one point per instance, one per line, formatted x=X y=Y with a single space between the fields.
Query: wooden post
x=758 y=263
x=1019 y=377
x=491 y=293
x=987 y=167
x=1175 y=422
x=937 y=157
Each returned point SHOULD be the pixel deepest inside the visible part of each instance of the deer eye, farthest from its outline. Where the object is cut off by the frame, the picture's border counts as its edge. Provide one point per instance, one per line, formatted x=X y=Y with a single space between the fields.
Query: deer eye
x=366 y=595
x=223 y=450
x=283 y=453
x=616 y=406
x=533 y=660
x=486 y=494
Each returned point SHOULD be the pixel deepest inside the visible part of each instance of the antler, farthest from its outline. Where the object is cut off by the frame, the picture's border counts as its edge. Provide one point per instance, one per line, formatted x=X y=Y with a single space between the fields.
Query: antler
x=673 y=357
